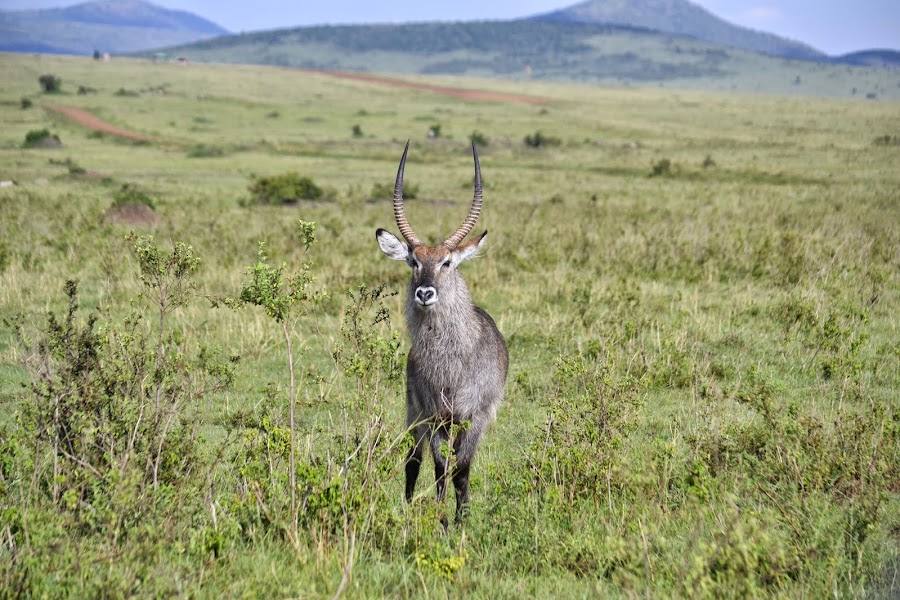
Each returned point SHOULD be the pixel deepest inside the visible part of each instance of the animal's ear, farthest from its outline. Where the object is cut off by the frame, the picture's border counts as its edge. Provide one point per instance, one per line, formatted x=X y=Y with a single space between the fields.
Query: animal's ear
x=391 y=245
x=469 y=249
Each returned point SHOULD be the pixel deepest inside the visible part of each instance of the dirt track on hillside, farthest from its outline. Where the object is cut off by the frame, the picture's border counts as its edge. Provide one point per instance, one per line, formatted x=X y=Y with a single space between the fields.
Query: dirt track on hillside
x=86 y=119
x=463 y=93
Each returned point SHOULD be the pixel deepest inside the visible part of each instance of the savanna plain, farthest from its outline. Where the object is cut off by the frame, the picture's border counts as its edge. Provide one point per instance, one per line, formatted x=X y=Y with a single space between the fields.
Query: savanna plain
x=202 y=349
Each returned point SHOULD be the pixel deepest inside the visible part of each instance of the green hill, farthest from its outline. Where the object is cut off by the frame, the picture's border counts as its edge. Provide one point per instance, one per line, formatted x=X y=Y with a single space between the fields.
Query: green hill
x=108 y=25
x=871 y=58
x=542 y=50
x=683 y=18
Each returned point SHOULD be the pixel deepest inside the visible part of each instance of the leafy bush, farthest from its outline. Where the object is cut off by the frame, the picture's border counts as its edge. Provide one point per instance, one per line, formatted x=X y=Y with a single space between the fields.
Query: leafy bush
x=41 y=138
x=385 y=191
x=122 y=92
x=105 y=448
x=5 y=256
x=26 y=103
x=84 y=90
x=325 y=495
x=479 y=139
x=284 y=189
x=50 y=84
x=129 y=193
x=590 y=410
x=357 y=131
x=540 y=140
x=662 y=167
x=205 y=151
x=366 y=355
x=73 y=167
x=887 y=140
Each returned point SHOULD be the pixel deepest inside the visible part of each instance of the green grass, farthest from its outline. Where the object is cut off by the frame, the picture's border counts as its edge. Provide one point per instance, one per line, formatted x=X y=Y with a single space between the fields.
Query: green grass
x=703 y=392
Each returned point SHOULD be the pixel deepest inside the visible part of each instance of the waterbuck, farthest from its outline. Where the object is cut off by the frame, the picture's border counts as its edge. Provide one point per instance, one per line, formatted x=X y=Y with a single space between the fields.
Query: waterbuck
x=456 y=368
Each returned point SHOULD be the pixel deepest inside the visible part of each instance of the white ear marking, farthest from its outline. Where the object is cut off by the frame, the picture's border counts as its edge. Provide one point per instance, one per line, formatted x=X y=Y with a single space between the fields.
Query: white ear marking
x=391 y=245
x=469 y=250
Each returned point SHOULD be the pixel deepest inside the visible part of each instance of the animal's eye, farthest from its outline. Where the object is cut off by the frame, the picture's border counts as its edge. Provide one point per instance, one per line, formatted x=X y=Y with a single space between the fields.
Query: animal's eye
x=446 y=264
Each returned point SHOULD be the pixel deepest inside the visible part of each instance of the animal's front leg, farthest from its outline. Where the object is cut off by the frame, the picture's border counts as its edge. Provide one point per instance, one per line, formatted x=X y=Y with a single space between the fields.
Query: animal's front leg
x=440 y=445
x=414 y=459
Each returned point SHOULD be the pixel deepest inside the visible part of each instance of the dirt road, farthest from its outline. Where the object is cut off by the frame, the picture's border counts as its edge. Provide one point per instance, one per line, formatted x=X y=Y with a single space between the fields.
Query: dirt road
x=86 y=119
x=463 y=93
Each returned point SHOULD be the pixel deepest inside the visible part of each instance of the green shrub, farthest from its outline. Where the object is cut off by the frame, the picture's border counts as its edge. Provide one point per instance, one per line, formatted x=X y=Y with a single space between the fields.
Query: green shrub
x=479 y=139
x=5 y=256
x=50 y=84
x=130 y=193
x=590 y=411
x=26 y=103
x=357 y=131
x=126 y=93
x=105 y=448
x=205 y=151
x=286 y=188
x=540 y=140
x=384 y=191
x=41 y=138
x=73 y=167
x=662 y=167
x=887 y=140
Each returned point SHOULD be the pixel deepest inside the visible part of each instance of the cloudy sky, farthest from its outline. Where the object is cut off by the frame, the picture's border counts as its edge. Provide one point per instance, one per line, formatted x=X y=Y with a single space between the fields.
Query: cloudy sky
x=834 y=26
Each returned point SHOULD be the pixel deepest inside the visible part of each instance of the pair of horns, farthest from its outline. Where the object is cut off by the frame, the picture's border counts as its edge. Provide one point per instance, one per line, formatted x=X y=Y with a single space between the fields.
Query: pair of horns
x=453 y=241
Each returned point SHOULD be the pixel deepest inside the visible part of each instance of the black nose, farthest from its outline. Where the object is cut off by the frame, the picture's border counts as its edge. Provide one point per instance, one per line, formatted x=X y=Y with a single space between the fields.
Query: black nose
x=425 y=294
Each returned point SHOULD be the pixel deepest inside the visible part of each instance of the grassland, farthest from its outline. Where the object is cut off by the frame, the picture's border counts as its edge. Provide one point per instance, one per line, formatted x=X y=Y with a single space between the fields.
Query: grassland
x=699 y=292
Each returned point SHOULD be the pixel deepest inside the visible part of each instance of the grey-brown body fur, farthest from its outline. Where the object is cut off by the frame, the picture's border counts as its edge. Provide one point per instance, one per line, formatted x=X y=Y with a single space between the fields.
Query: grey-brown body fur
x=458 y=360
x=456 y=369
x=455 y=373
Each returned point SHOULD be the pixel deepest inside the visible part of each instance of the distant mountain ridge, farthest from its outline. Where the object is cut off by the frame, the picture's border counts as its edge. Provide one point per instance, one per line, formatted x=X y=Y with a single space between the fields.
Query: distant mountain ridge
x=117 y=26
x=877 y=57
x=620 y=42
x=683 y=18
x=136 y=13
x=551 y=50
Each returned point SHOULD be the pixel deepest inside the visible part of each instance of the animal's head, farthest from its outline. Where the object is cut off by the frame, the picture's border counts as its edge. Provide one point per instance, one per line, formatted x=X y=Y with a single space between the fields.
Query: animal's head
x=434 y=269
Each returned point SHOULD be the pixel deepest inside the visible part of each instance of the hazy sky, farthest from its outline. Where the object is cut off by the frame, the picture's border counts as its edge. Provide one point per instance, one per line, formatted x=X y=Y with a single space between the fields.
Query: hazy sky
x=834 y=26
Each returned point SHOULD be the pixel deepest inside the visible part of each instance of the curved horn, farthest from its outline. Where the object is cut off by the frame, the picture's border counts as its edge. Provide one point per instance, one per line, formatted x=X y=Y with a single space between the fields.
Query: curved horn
x=464 y=229
x=399 y=214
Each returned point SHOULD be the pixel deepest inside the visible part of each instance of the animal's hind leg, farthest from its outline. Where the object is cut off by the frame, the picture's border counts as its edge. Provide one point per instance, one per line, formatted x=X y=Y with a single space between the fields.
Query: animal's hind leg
x=464 y=445
x=414 y=459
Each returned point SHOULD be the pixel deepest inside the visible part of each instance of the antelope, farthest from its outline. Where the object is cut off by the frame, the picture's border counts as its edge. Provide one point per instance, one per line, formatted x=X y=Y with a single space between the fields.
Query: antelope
x=456 y=367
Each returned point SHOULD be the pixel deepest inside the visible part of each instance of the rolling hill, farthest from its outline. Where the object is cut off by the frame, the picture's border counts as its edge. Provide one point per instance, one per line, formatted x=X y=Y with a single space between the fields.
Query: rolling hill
x=552 y=50
x=871 y=58
x=683 y=18
x=623 y=42
x=116 y=26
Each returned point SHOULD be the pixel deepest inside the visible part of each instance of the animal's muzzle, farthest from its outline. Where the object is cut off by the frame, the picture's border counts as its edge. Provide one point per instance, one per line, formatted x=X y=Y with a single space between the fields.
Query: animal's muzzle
x=426 y=296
